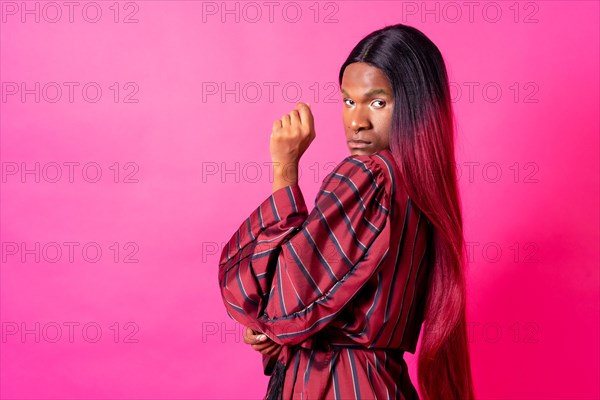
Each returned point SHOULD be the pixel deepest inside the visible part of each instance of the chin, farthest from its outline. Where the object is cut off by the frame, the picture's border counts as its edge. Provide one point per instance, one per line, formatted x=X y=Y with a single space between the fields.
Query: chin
x=361 y=152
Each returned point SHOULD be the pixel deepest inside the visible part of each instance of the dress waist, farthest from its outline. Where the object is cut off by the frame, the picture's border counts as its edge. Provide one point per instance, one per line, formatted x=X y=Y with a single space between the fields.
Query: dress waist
x=323 y=343
x=324 y=350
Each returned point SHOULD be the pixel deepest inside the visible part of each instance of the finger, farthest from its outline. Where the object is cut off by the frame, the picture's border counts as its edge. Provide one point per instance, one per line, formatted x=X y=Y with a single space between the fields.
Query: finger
x=270 y=351
x=295 y=119
x=261 y=337
x=254 y=337
x=249 y=335
x=285 y=120
x=276 y=125
x=261 y=346
x=302 y=105
x=275 y=352
x=306 y=116
x=249 y=338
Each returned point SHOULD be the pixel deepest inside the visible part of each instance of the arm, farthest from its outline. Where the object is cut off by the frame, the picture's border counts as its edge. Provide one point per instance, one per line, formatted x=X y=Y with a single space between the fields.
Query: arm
x=287 y=273
x=285 y=175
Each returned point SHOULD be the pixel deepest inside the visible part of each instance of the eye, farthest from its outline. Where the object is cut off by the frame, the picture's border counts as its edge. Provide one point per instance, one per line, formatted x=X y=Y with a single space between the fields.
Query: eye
x=381 y=101
x=345 y=101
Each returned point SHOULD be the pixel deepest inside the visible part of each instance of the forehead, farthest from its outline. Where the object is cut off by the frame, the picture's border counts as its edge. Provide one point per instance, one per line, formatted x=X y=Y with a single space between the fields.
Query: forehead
x=360 y=75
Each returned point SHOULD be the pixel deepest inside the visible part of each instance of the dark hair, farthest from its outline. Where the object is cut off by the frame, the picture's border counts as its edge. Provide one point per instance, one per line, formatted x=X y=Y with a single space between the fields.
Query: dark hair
x=422 y=143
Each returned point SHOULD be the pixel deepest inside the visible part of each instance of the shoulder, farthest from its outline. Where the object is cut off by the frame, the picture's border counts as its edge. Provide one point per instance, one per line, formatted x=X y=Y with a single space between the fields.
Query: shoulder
x=378 y=168
x=361 y=177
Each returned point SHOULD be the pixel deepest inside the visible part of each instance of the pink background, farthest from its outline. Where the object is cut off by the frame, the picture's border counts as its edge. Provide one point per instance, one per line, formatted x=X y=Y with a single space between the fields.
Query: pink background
x=525 y=86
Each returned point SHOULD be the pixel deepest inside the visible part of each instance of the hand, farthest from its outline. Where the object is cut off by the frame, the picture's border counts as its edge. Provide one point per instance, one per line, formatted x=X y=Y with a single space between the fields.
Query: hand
x=291 y=136
x=265 y=346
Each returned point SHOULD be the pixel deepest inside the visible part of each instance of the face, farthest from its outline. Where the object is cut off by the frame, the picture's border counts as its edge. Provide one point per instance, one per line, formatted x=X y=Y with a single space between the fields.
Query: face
x=368 y=104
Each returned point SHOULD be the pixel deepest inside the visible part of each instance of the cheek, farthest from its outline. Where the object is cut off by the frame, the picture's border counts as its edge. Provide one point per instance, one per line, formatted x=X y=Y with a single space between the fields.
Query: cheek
x=385 y=125
x=387 y=132
x=388 y=124
x=344 y=117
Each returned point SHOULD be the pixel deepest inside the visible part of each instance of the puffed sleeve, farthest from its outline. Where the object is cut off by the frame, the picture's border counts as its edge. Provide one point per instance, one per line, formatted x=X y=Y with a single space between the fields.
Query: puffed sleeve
x=288 y=273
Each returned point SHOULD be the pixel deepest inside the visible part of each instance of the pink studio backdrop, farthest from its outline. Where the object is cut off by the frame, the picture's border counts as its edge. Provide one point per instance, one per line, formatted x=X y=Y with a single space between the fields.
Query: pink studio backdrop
x=134 y=141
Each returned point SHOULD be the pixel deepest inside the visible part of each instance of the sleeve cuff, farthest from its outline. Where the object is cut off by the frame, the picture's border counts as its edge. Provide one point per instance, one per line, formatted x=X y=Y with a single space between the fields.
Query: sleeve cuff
x=268 y=364
x=283 y=203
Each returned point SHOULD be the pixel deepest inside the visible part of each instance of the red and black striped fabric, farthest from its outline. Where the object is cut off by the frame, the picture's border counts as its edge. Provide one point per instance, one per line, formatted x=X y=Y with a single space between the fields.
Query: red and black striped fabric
x=342 y=287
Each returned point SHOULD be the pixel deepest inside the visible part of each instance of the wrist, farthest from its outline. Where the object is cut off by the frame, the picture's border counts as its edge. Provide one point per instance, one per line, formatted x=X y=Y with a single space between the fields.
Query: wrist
x=286 y=171
x=285 y=175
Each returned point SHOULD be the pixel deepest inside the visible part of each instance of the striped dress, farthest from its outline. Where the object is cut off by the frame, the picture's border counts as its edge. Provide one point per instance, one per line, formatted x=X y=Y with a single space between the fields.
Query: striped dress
x=342 y=287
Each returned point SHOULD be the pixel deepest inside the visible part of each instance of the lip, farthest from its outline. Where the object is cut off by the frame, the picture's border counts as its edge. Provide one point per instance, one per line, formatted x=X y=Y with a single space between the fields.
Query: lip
x=358 y=144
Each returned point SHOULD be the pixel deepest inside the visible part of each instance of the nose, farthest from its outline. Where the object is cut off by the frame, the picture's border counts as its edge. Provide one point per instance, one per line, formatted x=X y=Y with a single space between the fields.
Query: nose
x=359 y=121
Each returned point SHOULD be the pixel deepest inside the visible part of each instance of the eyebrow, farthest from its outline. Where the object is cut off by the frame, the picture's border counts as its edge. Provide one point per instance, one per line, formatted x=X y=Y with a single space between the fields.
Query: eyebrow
x=370 y=92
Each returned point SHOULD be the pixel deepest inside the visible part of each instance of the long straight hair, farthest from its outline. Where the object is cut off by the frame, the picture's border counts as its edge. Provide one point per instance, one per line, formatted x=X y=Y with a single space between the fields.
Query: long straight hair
x=422 y=143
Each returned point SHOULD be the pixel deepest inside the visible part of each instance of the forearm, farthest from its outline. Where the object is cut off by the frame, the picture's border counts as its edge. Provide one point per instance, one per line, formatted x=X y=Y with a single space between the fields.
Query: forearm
x=285 y=175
